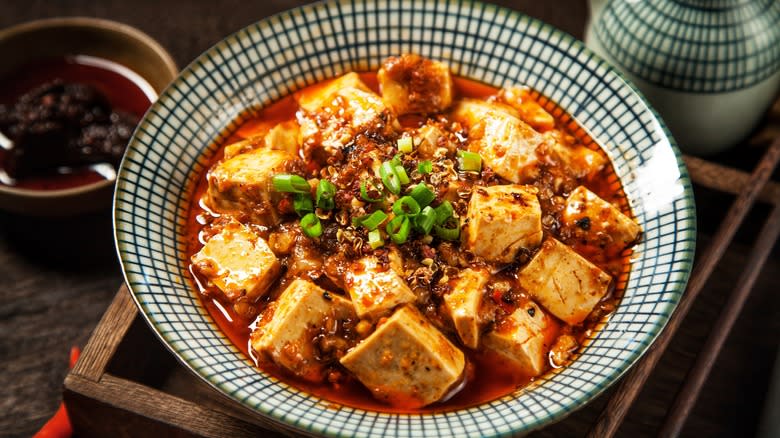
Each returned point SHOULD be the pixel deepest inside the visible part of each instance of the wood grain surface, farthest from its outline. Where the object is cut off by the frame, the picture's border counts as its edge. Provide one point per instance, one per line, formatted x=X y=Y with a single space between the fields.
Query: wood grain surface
x=58 y=277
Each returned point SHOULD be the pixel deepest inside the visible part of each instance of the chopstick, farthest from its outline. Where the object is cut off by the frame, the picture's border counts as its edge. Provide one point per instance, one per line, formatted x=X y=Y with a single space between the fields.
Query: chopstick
x=697 y=376
x=617 y=407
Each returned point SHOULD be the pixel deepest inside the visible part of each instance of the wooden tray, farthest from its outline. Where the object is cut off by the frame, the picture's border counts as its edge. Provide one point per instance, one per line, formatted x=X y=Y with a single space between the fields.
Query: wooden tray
x=127 y=384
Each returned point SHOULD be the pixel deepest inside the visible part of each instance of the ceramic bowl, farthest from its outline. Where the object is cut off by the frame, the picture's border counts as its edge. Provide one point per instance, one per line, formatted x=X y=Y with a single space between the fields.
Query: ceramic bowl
x=274 y=57
x=105 y=39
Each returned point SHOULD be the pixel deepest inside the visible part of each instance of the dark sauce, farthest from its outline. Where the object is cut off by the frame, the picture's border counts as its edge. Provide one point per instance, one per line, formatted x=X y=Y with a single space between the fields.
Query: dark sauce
x=93 y=107
x=488 y=375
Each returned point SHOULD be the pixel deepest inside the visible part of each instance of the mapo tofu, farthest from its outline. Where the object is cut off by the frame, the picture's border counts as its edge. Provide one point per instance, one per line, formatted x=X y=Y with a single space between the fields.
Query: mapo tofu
x=398 y=240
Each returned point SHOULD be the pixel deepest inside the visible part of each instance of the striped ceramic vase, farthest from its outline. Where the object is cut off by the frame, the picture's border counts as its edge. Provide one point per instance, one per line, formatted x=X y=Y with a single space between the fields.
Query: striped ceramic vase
x=710 y=67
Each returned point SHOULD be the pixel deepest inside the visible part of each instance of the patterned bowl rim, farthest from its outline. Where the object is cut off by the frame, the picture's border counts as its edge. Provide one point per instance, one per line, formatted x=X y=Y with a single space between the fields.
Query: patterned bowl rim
x=560 y=411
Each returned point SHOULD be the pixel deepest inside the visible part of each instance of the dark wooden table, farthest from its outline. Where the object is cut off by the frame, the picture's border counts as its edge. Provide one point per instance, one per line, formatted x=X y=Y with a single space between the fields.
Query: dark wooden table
x=57 y=277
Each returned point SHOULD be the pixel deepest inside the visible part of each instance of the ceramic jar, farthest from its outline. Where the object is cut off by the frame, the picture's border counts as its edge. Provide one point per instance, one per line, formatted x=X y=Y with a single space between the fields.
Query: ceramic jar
x=710 y=67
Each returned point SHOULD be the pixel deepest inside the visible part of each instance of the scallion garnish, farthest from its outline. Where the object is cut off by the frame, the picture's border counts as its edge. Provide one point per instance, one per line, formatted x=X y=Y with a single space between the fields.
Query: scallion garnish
x=367 y=186
x=425 y=167
x=398 y=228
x=402 y=176
x=390 y=177
x=422 y=194
x=425 y=220
x=373 y=220
x=405 y=144
x=290 y=184
x=406 y=205
x=443 y=212
x=302 y=204
x=375 y=239
x=326 y=191
x=469 y=161
x=311 y=226
x=449 y=230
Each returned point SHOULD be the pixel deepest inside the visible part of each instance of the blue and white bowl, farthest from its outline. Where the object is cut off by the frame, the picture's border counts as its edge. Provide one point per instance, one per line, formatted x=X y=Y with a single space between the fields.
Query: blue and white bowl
x=274 y=57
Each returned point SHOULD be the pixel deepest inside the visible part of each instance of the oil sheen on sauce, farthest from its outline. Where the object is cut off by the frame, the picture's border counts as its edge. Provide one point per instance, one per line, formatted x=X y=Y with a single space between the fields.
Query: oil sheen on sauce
x=488 y=375
x=124 y=90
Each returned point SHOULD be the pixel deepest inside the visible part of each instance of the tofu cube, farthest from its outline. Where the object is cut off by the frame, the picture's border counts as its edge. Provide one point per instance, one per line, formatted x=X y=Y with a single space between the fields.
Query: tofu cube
x=565 y=283
x=406 y=362
x=375 y=286
x=300 y=312
x=597 y=221
x=412 y=84
x=523 y=338
x=506 y=143
x=463 y=304
x=501 y=220
x=331 y=115
x=314 y=98
x=285 y=136
x=530 y=111
x=243 y=183
x=428 y=137
x=577 y=160
x=238 y=262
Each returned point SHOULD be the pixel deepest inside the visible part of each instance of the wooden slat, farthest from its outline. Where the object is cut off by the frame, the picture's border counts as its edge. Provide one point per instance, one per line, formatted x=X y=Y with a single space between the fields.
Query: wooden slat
x=612 y=416
x=697 y=376
x=726 y=179
x=105 y=339
x=159 y=407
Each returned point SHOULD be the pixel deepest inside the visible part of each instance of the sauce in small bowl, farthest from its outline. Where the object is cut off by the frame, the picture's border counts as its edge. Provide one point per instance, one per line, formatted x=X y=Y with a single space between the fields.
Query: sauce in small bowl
x=126 y=68
x=68 y=120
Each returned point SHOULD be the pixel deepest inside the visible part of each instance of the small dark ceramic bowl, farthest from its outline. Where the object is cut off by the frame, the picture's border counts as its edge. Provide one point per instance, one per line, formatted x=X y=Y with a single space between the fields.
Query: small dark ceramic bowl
x=117 y=42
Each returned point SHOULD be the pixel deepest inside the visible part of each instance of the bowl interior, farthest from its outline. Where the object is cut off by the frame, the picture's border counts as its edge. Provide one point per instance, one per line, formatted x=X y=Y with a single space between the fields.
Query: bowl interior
x=125 y=45
x=276 y=56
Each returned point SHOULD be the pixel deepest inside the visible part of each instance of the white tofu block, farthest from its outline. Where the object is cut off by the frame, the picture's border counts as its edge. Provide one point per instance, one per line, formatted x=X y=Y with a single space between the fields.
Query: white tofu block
x=412 y=84
x=333 y=114
x=523 y=338
x=577 y=160
x=562 y=281
x=406 y=362
x=463 y=304
x=300 y=312
x=376 y=287
x=313 y=98
x=243 y=182
x=600 y=222
x=285 y=136
x=501 y=220
x=506 y=143
x=530 y=111
x=238 y=262
x=427 y=138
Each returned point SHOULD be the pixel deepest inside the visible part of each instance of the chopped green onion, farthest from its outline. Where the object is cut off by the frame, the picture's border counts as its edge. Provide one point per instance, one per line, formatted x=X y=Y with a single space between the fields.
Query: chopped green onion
x=406 y=205
x=325 y=193
x=425 y=167
x=375 y=239
x=443 y=212
x=302 y=204
x=390 y=178
x=405 y=144
x=451 y=232
x=373 y=220
x=398 y=229
x=290 y=183
x=311 y=226
x=425 y=220
x=402 y=176
x=469 y=161
x=396 y=161
x=364 y=188
x=422 y=194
